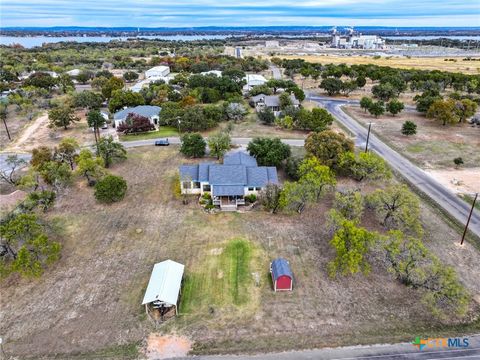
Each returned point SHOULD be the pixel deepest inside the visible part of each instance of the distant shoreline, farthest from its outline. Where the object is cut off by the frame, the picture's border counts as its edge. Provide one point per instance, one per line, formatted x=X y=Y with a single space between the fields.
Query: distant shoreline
x=232 y=31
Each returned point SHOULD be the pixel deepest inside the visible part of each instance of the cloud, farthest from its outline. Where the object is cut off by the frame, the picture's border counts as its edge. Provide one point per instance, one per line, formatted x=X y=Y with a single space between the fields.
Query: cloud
x=157 y=13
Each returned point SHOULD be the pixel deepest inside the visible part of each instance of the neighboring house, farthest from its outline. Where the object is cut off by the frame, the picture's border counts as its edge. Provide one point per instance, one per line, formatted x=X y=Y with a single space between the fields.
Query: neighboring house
x=253 y=80
x=148 y=111
x=157 y=71
x=262 y=101
x=282 y=276
x=163 y=289
x=217 y=73
x=74 y=72
x=228 y=183
x=26 y=75
x=137 y=87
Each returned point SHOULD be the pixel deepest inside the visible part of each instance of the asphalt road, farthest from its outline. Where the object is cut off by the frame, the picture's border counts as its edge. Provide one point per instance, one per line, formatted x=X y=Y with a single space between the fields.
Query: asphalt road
x=235 y=141
x=276 y=73
x=378 y=352
x=442 y=196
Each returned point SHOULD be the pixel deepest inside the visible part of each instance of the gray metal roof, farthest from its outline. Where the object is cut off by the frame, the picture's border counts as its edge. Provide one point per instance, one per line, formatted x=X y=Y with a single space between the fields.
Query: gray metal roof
x=261 y=176
x=257 y=176
x=272 y=100
x=238 y=171
x=203 y=171
x=272 y=175
x=258 y=98
x=189 y=173
x=280 y=267
x=228 y=190
x=239 y=158
x=142 y=110
x=228 y=175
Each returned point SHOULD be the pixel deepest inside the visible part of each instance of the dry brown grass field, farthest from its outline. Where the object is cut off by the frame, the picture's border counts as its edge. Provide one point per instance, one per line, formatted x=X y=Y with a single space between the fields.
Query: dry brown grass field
x=421 y=63
x=434 y=145
x=91 y=299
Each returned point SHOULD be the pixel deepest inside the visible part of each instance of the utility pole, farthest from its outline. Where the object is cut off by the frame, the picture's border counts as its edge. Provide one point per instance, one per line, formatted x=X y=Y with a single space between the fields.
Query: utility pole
x=3 y=115
x=469 y=217
x=178 y=123
x=368 y=136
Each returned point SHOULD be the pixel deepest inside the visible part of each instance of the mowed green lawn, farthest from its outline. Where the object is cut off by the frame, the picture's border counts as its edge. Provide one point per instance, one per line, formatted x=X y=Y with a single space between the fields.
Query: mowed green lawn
x=222 y=278
x=164 y=131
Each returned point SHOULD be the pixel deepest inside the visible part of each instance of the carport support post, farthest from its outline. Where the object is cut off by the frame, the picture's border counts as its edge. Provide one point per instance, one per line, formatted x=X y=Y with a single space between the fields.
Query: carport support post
x=469 y=217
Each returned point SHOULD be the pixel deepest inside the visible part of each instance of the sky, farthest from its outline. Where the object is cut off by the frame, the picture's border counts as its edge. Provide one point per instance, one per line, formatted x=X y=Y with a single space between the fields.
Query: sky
x=187 y=13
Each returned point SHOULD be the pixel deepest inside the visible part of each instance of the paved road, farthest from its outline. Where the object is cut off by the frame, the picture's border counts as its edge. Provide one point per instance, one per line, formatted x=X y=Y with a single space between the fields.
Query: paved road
x=276 y=73
x=377 y=352
x=235 y=141
x=445 y=198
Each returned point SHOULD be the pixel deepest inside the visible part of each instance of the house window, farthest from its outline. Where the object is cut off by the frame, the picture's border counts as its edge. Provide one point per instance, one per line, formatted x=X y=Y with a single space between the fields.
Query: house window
x=196 y=185
x=206 y=188
x=258 y=188
x=187 y=185
x=251 y=189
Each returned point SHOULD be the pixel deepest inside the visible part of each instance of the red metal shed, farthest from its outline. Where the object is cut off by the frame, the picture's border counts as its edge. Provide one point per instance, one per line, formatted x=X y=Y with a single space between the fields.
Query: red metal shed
x=282 y=276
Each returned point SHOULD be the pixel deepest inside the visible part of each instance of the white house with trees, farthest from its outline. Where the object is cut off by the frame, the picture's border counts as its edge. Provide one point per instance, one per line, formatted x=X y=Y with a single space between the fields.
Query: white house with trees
x=230 y=182
x=149 y=111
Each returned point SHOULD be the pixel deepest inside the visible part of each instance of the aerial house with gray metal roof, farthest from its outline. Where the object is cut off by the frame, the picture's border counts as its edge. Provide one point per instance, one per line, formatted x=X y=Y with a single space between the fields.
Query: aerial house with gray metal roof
x=228 y=183
x=149 y=111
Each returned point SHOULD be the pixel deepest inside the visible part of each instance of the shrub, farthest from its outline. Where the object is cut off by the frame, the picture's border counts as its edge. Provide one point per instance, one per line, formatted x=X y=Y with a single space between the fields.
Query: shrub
x=42 y=199
x=135 y=124
x=291 y=167
x=266 y=116
x=193 y=145
x=409 y=128
x=268 y=151
x=458 y=161
x=251 y=198
x=110 y=189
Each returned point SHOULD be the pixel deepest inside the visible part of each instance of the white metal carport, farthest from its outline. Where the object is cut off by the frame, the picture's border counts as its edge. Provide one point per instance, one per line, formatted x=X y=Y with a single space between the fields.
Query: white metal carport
x=164 y=285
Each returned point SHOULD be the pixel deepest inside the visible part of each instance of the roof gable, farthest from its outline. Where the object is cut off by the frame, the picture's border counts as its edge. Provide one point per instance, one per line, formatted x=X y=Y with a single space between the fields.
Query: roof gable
x=189 y=172
x=142 y=110
x=227 y=175
x=239 y=158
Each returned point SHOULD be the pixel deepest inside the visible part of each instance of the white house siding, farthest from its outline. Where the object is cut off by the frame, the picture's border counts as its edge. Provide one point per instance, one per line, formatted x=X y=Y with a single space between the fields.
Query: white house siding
x=191 y=190
x=153 y=121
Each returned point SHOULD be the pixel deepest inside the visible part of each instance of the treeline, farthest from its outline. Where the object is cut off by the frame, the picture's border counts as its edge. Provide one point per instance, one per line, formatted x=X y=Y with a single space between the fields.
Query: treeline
x=393 y=81
x=27 y=241
x=466 y=44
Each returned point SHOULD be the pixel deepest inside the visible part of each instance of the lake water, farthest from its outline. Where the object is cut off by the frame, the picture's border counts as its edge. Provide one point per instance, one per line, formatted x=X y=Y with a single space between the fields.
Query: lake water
x=32 y=41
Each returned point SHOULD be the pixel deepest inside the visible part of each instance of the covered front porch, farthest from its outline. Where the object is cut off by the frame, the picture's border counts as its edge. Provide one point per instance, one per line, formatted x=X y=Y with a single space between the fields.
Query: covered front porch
x=228 y=202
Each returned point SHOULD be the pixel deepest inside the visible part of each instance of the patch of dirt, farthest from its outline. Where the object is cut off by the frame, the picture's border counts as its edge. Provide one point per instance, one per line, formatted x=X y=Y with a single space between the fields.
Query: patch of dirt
x=460 y=181
x=166 y=346
x=216 y=251
x=8 y=202
x=91 y=298
x=38 y=133
x=433 y=147
x=28 y=132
